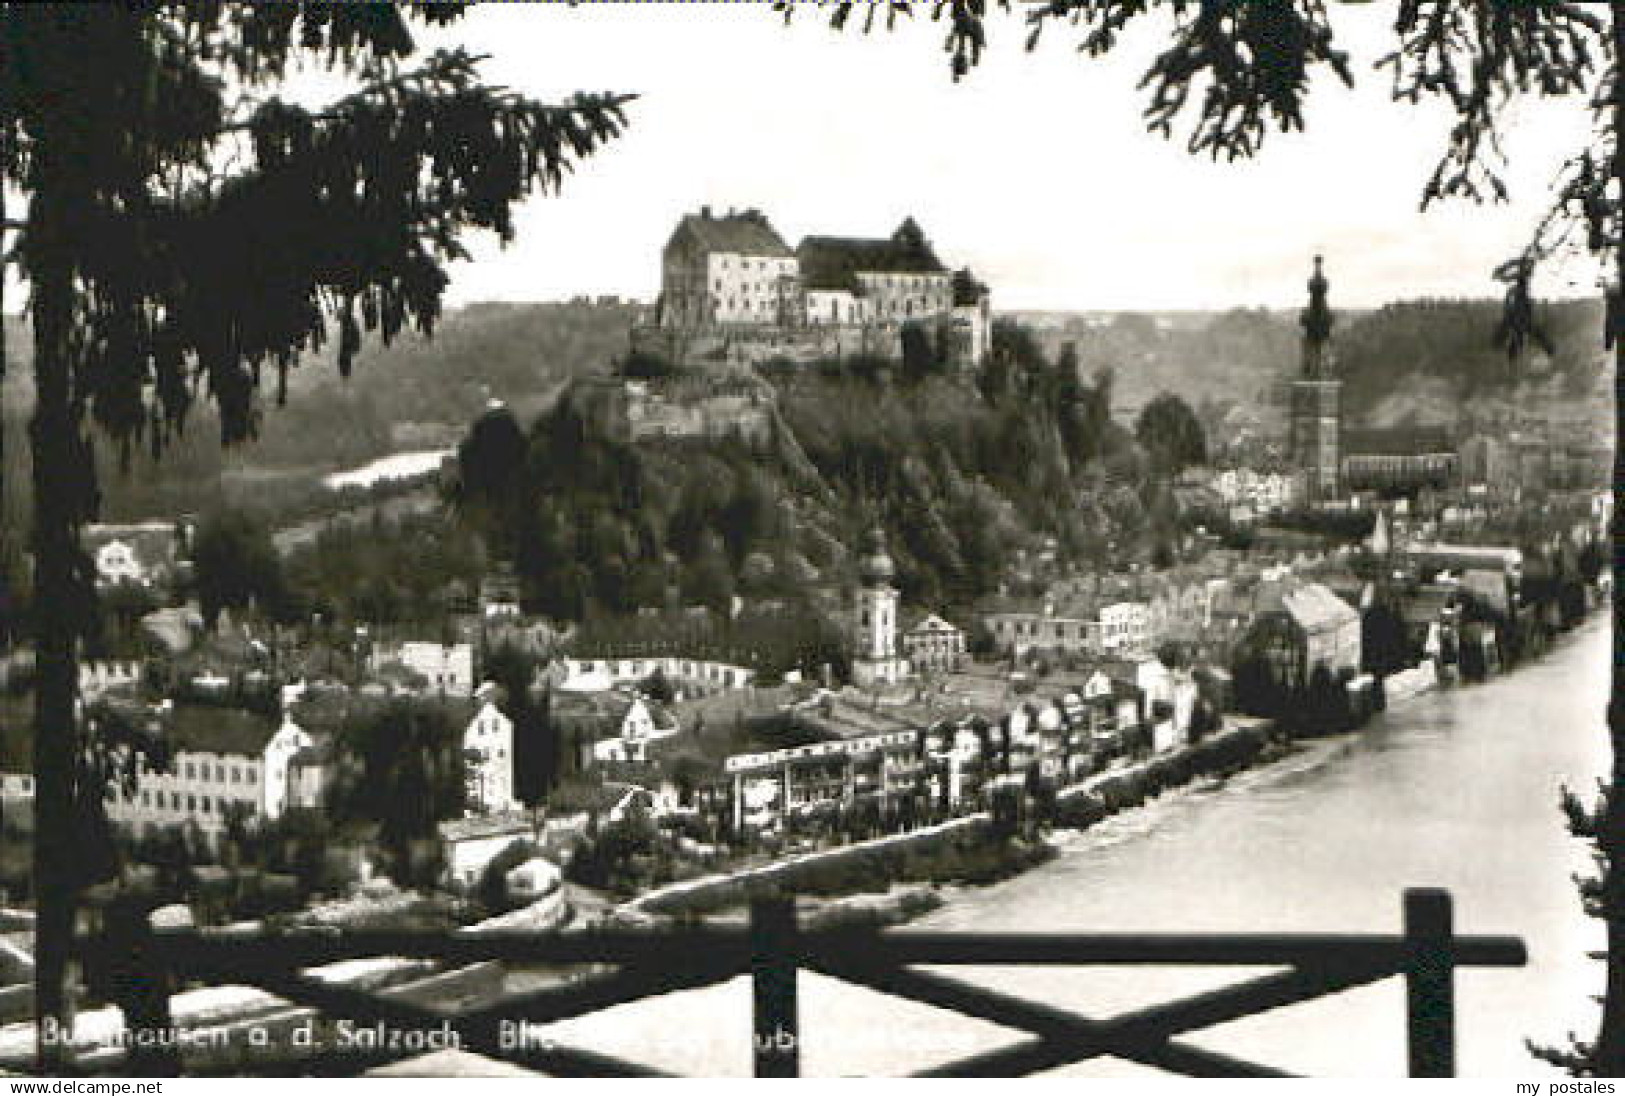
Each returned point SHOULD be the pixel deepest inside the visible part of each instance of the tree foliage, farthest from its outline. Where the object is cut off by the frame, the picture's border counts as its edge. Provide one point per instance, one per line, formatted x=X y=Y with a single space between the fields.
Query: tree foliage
x=1170 y=433
x=537 y=752
x=235 y=565
x=401 y=765
x=194 y=234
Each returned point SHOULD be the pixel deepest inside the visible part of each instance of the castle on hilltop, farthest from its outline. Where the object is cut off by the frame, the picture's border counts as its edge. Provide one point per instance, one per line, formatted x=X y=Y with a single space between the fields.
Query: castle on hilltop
x=733 y=292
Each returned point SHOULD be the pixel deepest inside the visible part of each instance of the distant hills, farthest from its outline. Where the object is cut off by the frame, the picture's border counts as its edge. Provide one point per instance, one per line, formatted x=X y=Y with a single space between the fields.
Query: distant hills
x=1415 y=361
x=1427 y=361
x=519 y=353
x=416 y=394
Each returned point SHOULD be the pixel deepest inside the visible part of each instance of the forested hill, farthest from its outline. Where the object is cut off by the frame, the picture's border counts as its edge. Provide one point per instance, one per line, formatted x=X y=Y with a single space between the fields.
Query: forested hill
x=417 y=394
x=519 y=352
x=1427 y=358
x=1436 y=361
x=1431 y=361
x=978 y=487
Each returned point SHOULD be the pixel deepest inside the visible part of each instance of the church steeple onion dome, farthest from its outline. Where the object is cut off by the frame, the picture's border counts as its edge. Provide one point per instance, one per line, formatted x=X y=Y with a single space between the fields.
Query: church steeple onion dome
x=876 y=568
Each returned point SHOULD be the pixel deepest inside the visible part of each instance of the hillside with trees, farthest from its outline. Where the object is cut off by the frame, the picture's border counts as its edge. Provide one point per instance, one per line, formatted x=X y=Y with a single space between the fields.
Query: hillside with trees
x=413 y=394
x=966 y=479
x=981 y=484
x=1426 y=361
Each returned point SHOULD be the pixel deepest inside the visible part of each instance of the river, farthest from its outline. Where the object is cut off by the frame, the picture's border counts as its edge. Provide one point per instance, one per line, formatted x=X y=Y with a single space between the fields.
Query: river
x=1457 y=789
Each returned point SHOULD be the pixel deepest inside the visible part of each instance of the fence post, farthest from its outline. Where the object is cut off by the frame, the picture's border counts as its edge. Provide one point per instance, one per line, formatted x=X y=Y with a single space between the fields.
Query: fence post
x=776 y=1038
x=140 y=983
x=1430 y=989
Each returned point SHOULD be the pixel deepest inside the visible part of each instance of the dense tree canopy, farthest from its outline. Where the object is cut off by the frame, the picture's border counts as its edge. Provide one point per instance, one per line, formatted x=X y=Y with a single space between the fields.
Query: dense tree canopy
x=235 y=565
x=401 y=765
x=1170 y=433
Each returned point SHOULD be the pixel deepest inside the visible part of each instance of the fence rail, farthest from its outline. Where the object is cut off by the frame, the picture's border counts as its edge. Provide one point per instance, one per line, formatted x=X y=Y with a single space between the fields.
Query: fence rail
x=772 y=949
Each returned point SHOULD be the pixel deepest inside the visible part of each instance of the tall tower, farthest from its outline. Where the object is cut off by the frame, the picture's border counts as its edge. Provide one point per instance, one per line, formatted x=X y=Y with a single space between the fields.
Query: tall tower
x=877 y=662
x=1314 y=441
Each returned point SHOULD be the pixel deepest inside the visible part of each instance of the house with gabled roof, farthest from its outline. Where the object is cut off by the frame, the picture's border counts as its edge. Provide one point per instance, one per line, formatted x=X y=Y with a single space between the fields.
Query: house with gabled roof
x=614 y=725
x=933 y=645
x=1300 y=628
x=142 y=554
x=488 y=755
x=731 y=269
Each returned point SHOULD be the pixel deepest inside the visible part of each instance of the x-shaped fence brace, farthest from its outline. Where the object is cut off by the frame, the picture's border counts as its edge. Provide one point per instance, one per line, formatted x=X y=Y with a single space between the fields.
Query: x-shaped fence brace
x=771 y=950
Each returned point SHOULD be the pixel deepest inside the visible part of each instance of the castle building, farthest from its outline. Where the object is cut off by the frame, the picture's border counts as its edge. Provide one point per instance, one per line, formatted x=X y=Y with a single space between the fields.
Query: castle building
x=733 y=278
x=877 y=661
x=972 y=324
x=883 y=282
x=730 y=269
x=1315 y=428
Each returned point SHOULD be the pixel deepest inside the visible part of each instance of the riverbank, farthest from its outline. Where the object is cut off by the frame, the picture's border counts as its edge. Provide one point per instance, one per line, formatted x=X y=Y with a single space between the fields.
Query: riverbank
x=891 y=879
x=896 y=875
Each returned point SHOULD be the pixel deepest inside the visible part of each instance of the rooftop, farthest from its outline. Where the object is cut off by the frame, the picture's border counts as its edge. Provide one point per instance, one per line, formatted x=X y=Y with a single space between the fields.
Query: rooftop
x=833 y=262
x=196 y=728
x=1311 y=605
x=1397 y=441
x=967 y=289
x=747 y=233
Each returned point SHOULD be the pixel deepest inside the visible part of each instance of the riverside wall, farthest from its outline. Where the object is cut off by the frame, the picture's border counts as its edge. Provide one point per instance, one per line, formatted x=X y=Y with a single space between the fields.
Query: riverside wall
x=969 y=845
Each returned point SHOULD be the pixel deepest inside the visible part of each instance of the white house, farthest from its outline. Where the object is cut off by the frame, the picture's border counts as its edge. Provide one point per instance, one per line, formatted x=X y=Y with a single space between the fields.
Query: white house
x=116 y=564
x=638 y=725
x=934 y=645
x=96 y=676
x=16 y=783
x=141 y=554
x=222 y=760
x=1125 y=627
x=289 y=740
x=1170 y=699
x=448 y=667
x=488 y=750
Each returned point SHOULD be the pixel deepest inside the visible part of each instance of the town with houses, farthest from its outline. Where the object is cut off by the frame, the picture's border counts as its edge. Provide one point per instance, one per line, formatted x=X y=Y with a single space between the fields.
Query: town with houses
x=669 y=765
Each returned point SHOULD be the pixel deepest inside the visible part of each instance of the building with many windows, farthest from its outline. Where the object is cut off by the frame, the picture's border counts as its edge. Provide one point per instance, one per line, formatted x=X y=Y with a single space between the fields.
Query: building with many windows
x=933 y=645
x=727 y=270
x=732 y=287
x=1062 y=629
x=221 y=761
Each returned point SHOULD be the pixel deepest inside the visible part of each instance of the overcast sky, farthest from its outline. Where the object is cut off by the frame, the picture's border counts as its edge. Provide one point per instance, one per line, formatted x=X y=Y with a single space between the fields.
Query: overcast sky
x=1035 y=170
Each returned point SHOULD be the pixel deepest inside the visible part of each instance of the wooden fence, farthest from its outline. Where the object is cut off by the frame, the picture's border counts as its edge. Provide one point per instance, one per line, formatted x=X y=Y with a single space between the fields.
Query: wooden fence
x=771 y=949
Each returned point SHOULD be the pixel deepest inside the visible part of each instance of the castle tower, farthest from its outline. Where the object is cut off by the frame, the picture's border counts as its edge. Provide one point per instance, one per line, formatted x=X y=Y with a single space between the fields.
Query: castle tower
x=1314 y=439
x=877 y=662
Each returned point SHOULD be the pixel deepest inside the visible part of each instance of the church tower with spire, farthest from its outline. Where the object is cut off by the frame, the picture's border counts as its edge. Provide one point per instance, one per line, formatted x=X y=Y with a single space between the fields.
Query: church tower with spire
x=876 y=661
x=1314 y=444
